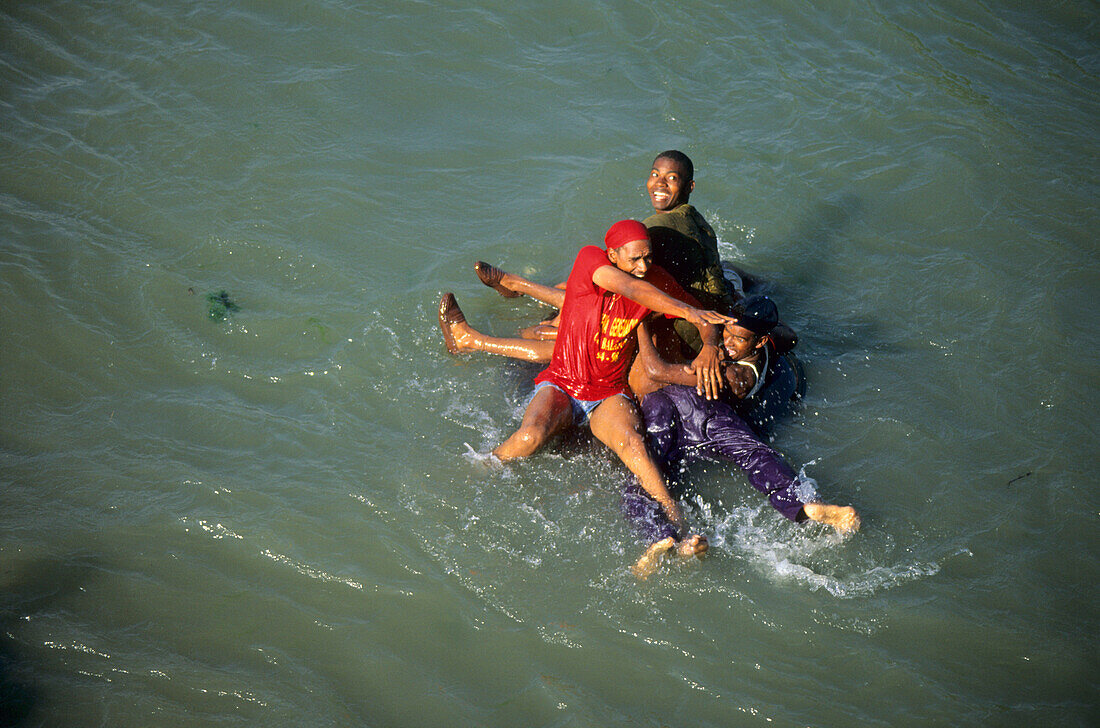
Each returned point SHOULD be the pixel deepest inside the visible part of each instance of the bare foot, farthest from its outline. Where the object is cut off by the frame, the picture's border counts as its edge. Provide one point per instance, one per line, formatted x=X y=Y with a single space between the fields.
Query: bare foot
x=494 y=278
x=694 y=545
x=843 y=518
x=652 y=558
x=457 y=334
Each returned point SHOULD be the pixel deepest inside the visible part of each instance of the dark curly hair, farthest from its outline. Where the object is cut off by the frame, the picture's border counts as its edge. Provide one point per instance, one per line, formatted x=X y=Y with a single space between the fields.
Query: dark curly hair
x=680 y=158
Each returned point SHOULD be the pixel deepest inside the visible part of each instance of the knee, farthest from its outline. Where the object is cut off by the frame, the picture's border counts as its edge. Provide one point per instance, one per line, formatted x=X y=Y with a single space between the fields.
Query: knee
x=632 y=442
x=529 y=439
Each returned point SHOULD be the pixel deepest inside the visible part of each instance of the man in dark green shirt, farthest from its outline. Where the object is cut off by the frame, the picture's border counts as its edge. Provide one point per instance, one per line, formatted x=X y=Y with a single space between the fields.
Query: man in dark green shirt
x=685 y=245
x=683 y=242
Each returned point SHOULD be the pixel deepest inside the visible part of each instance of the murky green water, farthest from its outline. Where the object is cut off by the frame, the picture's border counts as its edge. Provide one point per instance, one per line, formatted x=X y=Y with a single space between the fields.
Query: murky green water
x=267 y=518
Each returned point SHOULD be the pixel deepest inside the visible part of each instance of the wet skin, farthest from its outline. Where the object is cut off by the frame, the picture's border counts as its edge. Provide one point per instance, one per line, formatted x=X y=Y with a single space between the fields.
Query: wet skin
x=740 y=342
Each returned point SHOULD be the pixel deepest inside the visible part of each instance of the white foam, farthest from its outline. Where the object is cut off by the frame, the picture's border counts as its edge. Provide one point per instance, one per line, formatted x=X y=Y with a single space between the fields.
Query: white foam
x=487 y=460
x=812 y=555
x=807 y=486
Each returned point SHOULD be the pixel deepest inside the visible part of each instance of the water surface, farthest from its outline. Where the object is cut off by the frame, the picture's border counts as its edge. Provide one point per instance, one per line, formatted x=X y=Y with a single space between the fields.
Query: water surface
x=267 y=519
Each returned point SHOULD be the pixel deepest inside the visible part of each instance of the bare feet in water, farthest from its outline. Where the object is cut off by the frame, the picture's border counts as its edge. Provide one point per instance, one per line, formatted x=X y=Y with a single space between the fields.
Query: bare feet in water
x=456 y=332
x=843 y=518
x=493 y=277
x=694 y=545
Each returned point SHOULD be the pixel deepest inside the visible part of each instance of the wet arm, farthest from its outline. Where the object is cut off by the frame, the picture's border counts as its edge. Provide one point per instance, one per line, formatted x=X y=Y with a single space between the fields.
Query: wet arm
x=657 y=368
x=740 y=379
x=661 y=371
x=612 y=279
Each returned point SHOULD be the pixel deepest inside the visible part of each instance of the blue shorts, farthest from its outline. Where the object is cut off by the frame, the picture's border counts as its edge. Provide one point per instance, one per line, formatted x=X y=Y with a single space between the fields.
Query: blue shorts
x=582 y=408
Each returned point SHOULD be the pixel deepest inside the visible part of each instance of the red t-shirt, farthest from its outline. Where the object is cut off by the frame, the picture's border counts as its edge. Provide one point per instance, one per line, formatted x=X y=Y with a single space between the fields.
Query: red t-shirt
x=596 y=340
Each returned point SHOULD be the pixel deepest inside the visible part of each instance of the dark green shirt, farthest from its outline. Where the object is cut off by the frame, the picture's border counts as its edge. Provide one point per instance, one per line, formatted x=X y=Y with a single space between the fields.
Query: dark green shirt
x=686 y=246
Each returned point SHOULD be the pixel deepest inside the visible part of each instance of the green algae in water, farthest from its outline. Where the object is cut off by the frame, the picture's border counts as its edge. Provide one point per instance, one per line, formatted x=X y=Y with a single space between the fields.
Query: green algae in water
x=324 y=333
x=220 y=304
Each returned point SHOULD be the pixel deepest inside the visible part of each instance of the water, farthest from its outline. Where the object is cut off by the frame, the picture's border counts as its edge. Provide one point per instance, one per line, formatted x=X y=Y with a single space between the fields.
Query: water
x=268 y=519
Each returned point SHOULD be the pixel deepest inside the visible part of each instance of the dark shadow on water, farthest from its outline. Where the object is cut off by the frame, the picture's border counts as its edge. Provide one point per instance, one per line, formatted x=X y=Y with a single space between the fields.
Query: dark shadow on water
x=17 y=697
x=820 y=240
x=819 y=236
x=31 y=590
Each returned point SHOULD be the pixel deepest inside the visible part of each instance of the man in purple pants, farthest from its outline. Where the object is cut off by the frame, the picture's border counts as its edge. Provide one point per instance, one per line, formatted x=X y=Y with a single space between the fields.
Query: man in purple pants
x=683 y=425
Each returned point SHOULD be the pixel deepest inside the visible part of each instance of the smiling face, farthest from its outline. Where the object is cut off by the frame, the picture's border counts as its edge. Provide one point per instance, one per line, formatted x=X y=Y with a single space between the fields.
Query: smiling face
x=669 y=184
x=740 y=343
x=634 y=258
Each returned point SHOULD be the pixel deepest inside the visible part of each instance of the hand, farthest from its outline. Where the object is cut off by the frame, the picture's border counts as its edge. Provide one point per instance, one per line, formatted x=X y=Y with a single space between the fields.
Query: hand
x=708 y=371
x=699 y=316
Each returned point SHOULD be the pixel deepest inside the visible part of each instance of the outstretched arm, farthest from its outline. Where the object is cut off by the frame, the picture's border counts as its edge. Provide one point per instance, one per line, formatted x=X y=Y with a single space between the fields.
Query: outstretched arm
x=612 y=279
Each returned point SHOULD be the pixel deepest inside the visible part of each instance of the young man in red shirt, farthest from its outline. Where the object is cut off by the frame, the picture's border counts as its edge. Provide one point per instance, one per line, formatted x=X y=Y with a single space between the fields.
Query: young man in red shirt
x=607 y=295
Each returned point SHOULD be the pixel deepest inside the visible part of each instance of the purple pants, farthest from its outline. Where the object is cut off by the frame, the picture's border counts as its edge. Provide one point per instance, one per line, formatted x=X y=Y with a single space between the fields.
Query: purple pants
x=683 y=426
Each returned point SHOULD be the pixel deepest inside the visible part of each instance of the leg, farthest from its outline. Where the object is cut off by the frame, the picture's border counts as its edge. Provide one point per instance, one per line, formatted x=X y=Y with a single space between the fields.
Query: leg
x=460 y=336
x=651 y=559
x=643 y=513
x=650 y=521
x=549 y=413
x=695 y=545
x=616 y=424
x=544 y=331
x=510 y=286
x=730 y=438
x=640 y=510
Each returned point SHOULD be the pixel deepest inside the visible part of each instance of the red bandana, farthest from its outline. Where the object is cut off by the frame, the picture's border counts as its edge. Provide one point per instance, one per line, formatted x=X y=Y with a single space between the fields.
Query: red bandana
x=623 y=232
